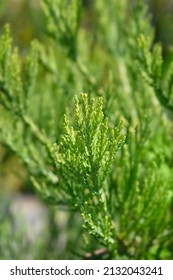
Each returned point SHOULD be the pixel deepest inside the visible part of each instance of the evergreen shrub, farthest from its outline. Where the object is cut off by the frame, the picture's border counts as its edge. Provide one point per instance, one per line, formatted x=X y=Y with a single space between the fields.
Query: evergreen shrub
x=88 y=111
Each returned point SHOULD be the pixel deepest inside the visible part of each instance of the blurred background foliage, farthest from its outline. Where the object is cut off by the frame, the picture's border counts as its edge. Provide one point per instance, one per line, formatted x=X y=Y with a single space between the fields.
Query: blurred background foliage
x=27 y=22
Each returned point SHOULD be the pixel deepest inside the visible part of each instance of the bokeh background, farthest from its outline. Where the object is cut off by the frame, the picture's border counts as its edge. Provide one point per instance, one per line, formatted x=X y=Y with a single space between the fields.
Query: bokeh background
x=16 y=194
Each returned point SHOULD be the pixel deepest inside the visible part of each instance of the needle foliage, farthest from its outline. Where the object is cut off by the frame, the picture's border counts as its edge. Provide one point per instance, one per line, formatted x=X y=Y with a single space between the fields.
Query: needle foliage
x=106 y=154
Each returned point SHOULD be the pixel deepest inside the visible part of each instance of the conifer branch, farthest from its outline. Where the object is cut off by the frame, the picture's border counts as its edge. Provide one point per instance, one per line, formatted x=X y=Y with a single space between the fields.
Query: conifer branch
x=151 y=68
x=85 y=157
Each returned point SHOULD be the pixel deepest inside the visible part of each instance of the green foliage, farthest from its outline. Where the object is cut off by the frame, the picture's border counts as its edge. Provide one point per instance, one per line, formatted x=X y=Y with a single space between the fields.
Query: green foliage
x=160 y=79
x=86 y=156
x=63 y=18
x=105 y=155
x=142 y=185
x=86 y=150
